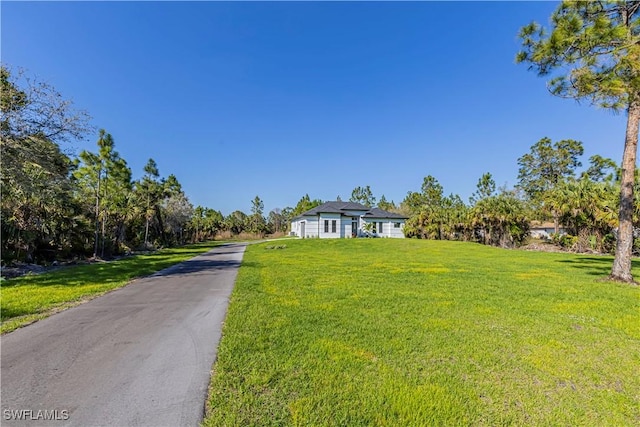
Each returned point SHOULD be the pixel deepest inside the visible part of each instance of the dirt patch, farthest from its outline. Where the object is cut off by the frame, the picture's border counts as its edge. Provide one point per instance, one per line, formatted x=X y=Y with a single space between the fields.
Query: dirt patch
x=543 y=247
x=550 y=247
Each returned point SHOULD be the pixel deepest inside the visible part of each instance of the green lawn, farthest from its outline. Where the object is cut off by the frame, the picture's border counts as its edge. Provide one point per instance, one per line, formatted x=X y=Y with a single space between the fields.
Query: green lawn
x=407 y=332
x=29 y=298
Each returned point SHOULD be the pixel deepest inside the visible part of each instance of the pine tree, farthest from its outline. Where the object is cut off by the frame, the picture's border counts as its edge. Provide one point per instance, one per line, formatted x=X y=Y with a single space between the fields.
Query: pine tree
x=594 y=46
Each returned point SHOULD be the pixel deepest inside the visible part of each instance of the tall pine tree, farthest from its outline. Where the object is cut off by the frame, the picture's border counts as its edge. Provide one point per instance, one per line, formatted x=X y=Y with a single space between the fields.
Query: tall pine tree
x=593 y=53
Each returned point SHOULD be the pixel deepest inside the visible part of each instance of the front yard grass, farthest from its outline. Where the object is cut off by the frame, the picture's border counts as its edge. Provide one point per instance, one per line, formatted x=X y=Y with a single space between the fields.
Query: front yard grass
x=385 y=332
x=26 y=299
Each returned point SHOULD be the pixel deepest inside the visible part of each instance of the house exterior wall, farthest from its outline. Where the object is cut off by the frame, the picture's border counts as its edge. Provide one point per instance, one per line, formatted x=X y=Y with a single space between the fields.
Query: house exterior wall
x=295 y=228
x=310 y=225
x=388 y=227
x=545 y=232
x=330 y=217
x=314 y=226
x=396 y=232
x=349 y=220
x=345 y=227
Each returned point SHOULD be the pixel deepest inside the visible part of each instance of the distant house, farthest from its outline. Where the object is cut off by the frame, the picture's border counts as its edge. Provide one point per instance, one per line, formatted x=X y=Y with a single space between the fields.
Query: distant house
x=544 y=230
x=333 y=220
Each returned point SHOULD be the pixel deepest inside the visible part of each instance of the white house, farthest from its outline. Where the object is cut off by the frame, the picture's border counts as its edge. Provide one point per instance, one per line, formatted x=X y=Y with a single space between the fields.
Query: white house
x=347 y=219
x=544 y=230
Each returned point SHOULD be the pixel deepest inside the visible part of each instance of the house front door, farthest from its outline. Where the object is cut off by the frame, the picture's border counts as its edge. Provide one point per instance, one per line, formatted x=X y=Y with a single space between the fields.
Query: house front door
x=354 y=228
x=302 y=224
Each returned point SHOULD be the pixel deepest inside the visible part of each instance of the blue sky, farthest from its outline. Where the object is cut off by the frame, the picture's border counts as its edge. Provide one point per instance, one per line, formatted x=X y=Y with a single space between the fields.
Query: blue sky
x=279 y=99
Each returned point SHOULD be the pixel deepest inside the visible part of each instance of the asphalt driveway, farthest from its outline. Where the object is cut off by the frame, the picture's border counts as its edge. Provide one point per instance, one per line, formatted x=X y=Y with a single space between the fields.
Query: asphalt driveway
x=138 y=356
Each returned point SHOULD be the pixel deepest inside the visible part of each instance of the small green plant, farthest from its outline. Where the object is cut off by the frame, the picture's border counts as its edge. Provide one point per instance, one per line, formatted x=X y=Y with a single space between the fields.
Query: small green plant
x=563 y=240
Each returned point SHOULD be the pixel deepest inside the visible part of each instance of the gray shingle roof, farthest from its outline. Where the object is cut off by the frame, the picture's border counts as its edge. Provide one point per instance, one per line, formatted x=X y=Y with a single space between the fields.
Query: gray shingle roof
x=379 y=213
x=343 y=207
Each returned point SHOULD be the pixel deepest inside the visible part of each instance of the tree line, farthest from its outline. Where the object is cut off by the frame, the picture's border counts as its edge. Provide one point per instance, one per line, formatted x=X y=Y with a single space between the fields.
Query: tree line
x=207 y=223
x=58 y=206
x=584 y=205
x=55 y=204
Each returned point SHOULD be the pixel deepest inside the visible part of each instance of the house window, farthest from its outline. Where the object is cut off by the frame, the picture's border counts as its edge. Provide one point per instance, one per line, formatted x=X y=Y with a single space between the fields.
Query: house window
x=396 y=225
x=333 y=226
x=326 y=225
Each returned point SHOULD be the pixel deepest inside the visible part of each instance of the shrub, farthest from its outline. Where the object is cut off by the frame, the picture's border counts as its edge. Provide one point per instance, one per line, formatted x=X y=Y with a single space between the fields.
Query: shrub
x=566 y=241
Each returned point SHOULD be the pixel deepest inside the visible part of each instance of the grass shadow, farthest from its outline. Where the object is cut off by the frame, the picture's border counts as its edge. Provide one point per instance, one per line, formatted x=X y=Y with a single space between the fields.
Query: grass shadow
x=109 y=272
x=198 y=265
x=596 y=266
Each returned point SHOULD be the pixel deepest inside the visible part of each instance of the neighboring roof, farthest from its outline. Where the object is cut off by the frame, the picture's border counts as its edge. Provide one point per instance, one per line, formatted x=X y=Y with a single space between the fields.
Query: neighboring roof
x=541 y=224
x=344 y=207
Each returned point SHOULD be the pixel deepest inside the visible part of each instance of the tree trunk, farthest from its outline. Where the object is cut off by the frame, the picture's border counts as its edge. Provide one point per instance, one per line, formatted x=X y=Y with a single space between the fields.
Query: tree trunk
x=621 y=270
x=146 y=233
x=97 y=231
x=103 y=238
x=119 y=235
x=163 y=235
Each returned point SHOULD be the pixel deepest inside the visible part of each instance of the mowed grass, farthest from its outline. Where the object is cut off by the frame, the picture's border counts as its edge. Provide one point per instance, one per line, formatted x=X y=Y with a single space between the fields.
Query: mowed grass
x=33 y=297
x=383 y=332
